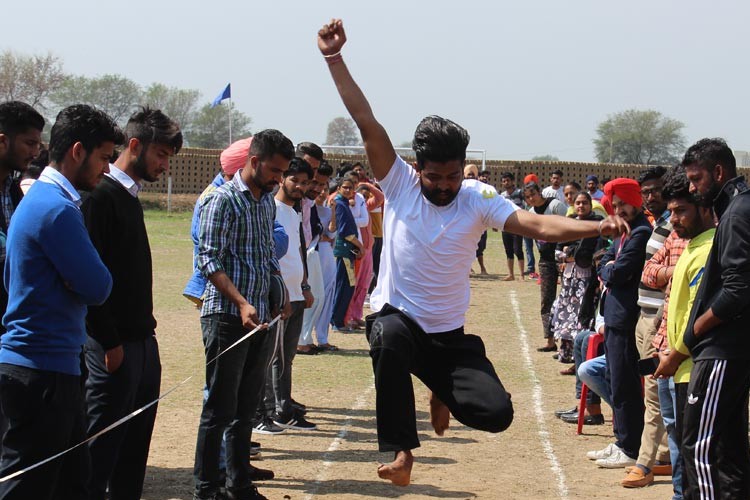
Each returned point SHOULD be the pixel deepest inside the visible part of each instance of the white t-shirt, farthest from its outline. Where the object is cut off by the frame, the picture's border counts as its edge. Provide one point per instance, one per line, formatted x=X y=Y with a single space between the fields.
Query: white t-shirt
x=550 y=192
x=428 y=250
x=292 y=269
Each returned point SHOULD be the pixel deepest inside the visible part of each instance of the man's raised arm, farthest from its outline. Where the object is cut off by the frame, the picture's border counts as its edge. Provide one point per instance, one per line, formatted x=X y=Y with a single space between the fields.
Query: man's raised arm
x=380 y=153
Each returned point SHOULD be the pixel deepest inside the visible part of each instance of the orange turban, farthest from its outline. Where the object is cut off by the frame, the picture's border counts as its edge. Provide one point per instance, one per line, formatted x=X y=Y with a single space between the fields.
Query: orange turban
x=531 y=178
x=628 y=190
x=607 y=204
x=235 y=156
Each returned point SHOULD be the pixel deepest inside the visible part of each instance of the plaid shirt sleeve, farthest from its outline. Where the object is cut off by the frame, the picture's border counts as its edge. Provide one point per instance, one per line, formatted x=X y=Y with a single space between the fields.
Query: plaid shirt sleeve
x=213 y=235
x=677 y=246
x=659 y=261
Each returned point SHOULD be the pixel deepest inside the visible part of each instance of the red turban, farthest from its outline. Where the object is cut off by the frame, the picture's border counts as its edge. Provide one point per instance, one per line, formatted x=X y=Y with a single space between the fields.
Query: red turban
x=607 y=204
x=628 y=190
x=235 y=156
x=531 y=178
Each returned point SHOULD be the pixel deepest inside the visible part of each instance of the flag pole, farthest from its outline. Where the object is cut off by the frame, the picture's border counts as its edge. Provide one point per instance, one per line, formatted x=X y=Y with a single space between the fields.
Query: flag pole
x=230 y=120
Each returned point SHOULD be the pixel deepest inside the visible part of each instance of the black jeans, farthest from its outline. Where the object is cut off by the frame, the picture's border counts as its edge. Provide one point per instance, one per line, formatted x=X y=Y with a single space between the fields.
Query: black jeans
x=118 y=458
x=234 y=382
x=44 y=415
x=548 y=287
x=278 y=393
x=452 y=365
x=625 y=384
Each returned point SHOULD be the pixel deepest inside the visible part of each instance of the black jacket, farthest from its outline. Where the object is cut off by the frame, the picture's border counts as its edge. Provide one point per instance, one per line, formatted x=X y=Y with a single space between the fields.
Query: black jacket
x=725 y=287
x=622 y=277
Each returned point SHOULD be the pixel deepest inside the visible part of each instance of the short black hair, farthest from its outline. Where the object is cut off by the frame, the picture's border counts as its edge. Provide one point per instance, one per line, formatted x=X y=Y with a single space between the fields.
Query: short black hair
x=506 y=175
x=651 y=173
x=707 y=153
x=17 y=117
x=344 y=168
x=151 y=126
x=532 y=186
x=677 y=186
x=85 y=124
x=299 y=166
x=574 y=184
x=487 y=173
x=311 y=149
x=557 y=172
x=325 y=168
x=344 y=178
x=270 y=142
x=440 y=140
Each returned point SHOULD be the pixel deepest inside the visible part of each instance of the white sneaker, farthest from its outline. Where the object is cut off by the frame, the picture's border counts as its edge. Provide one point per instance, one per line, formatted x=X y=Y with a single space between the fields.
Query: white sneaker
x=605 y=453
x=617 y=460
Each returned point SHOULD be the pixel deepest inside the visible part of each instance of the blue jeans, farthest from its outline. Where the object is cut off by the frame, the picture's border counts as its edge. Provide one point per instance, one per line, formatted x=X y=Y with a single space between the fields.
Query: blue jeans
x=668 y=402
x=592 y=373
x=528 y=244
x=580 y=348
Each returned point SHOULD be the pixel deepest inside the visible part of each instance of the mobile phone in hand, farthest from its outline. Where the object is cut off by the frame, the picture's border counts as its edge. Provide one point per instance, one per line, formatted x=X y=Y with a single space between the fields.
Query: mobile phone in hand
x=647 y=366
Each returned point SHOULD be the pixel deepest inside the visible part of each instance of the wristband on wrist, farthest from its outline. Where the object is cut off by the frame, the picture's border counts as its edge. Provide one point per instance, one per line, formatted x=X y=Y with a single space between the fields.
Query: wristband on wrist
x=333 y=58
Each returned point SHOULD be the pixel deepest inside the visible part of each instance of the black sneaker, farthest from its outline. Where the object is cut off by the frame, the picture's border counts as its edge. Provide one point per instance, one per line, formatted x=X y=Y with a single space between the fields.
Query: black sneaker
x=267 y=426
x=299 y=407
x=250 y=493
x=216 y=496
x=297 y=422
x=254 y=446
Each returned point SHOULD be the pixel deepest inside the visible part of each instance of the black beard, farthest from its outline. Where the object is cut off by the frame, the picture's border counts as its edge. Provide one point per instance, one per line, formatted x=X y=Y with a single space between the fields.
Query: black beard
x=707 y=200
x=141 y=169
x=432 y=196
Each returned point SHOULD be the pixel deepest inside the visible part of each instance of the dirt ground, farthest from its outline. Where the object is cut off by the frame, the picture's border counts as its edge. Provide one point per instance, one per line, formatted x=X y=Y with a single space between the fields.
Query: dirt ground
x=539 y=457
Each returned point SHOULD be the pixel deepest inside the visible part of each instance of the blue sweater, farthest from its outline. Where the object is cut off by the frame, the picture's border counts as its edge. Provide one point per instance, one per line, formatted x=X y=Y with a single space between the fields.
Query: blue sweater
x=52 y=272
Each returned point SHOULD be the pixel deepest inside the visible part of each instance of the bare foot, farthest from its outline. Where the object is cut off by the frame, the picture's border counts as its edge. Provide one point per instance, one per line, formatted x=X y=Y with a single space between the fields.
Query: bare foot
x=510 y=277
x=399 y=471
x=440 y=415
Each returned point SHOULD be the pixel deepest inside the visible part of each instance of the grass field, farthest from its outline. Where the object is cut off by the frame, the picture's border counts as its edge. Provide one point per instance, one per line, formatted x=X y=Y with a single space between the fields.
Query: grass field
x=539 y=457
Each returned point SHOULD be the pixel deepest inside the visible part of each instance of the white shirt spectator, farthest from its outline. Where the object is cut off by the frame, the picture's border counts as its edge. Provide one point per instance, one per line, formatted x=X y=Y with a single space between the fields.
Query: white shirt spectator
x=292 y=270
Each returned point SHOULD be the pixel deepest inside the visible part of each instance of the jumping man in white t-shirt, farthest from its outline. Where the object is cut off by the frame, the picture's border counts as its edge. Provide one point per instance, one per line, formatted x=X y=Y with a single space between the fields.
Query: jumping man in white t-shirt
x=432 y=221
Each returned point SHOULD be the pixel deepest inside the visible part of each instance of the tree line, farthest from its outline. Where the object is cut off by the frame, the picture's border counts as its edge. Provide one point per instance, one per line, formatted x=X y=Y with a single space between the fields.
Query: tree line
x=41 y=81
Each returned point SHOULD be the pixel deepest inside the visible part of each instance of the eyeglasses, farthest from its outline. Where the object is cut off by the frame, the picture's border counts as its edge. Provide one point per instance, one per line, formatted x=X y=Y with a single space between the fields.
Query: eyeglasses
x=648 y=192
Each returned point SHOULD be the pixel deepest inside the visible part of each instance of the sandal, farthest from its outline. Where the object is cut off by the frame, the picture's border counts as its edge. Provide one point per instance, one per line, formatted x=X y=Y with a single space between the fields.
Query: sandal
x=568 y=371
x=327 y=348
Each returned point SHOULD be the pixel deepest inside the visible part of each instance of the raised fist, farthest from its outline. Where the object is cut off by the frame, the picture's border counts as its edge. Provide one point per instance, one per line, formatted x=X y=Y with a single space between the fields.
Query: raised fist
x=331 y=37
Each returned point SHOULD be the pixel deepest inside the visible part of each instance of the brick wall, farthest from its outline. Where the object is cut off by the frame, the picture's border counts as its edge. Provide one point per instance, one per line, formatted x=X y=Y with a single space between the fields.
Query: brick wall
x=193 y=169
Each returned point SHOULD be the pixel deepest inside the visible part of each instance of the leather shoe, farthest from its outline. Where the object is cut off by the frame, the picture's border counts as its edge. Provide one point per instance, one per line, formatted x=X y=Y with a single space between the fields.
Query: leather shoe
x=587 y=419
x=636 y=478
x=657 y=469
x=547 y=348
x=560 y=413
x=257 y=474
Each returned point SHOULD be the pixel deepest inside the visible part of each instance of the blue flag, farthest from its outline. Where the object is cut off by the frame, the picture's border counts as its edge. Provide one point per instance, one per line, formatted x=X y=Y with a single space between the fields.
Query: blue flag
x=225 y=94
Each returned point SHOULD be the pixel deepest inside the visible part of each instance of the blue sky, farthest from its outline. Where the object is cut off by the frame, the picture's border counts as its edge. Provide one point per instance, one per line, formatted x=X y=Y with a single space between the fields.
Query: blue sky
x=525 y=78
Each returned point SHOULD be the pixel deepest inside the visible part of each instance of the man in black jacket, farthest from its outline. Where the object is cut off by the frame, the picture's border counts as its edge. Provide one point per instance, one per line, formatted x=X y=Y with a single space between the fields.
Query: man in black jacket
x=620 y=271
x=20 y=138
x=715 y=441
x=122 y=355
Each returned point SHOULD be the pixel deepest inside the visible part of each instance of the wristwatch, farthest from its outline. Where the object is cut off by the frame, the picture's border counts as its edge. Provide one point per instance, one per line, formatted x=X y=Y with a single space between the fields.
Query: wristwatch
x=306 y=287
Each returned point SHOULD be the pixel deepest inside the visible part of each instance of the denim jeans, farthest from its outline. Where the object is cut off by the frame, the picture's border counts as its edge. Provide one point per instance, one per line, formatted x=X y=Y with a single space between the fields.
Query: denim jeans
x=592 y=373
x=580 y=348
x=235 y=383
x=667 y=403
x=528 y=244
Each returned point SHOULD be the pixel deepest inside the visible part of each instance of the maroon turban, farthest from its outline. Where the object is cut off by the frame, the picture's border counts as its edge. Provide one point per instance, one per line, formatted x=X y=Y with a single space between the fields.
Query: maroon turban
x=628 y=190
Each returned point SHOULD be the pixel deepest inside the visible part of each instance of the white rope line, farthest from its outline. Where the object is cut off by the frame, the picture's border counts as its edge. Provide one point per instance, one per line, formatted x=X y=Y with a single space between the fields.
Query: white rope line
x=549 y=452
x=134 y=413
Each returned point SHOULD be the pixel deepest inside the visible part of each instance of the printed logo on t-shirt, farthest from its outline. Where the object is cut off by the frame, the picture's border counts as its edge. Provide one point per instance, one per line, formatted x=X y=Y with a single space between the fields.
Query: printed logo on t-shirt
x=692 y=399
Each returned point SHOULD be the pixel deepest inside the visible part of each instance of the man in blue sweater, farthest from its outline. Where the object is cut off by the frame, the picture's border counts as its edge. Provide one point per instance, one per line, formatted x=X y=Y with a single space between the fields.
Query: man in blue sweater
x=52 y=273
x=122 y=354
